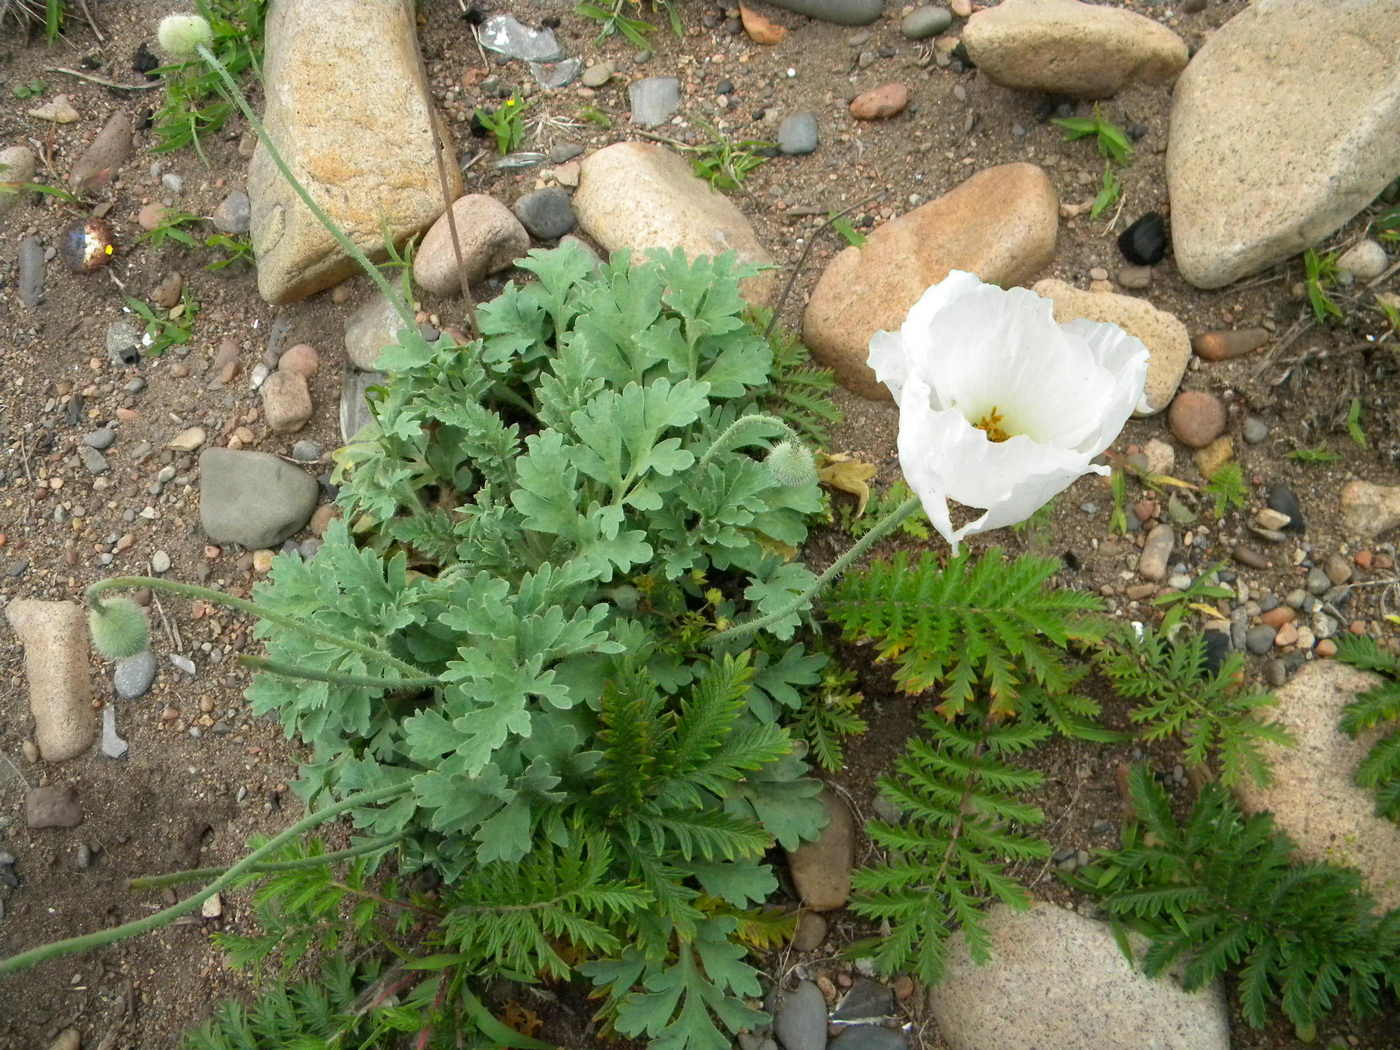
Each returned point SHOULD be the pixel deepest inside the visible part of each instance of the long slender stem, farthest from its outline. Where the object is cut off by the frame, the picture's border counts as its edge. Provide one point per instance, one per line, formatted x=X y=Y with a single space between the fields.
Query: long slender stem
x=101 y=938
x=179 y=878
x=881 y=528
x=353 y=681
x=347 y=245
x=190 y=590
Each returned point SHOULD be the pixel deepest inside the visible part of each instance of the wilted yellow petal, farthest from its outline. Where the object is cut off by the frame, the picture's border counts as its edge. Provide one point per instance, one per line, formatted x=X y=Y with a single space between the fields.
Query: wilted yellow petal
x=840 y=470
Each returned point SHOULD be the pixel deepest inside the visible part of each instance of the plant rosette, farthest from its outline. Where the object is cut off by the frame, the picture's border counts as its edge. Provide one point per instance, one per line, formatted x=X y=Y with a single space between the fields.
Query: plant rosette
x=1000 y=407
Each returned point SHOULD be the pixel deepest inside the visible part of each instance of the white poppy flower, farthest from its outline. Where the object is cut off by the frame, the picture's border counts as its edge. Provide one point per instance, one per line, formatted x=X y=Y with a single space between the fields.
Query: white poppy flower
x=1000 y=407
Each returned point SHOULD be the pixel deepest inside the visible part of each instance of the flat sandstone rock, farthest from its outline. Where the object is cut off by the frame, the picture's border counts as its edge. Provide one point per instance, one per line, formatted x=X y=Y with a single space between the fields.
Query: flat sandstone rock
x=1284 y=126
x=349 y=111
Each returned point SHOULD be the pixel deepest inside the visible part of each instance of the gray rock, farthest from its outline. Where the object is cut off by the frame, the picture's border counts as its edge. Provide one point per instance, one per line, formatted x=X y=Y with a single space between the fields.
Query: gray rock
x=16 y=169
x=306 y=451
x=505 y=35
x=55 y=640
x=867 y=1000
x=554 y=75
x=1058 y=979
x=183 y=663
x=252 y=498
x=234 y=213
x=113 y=746
x=869 y=1037
x=54 y=806
x=31 y=270
x=546 y=213
x=491 y=239
x=160 y=562
x=123 y=341
x=354 y=409
x=134 y=675
x=842 y=12
x=1255 y=430
x=1259 y=639
x=797 y=134
x=653 y=100
x=104 y=156
x=100 y=439
x=563 y=152
x=369 y=330
x=1364 y=260
x=799 y=1018
x=810 y=932
x=924 y=22
x=595 y=76
x=94 y=461
x=173 y=182
x=1312 y=80
x=347 y=103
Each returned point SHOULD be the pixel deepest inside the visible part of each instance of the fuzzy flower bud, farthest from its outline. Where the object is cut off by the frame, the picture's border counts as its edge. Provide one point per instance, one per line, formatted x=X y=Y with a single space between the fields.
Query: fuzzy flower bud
x=792 y=464
x=180 y=35
x=118 y=628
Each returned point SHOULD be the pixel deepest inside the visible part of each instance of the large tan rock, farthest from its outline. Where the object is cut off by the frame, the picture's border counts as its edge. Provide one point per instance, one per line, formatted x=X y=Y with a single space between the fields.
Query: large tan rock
x=491 y=239
x=55 y=640
x=1167 y=341
x=348 y=109
x=1070 y=48
x=1369 y=509
x=1058 y=979
x=1000 y=224
x=1313 y=797
x=639 y=196
x=821 y=869
x=1284 y=126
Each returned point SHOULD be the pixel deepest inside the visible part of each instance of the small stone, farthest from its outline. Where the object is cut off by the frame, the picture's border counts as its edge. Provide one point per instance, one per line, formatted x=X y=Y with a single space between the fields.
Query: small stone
x=286 y=401
x=1326 y=648
x=233 y=215
x=173 y=182
x=595 y=76
x=1287 y=635
x=100 y=439
x=821 y=869
x=167 y=293
x=1259 y=640
x=306 y=451
x=58 y=111
x=95 y=462
x=799 y=1018
x=810 y=932
x=134 y=675
x=1160 y=456
x=1256 y=430
x=797 y=134
x=1196 y=418
x=491 y=239
x=1282 y=499
x=924 y=22
x=1224 y=345
x=113 y=746
x=1214 y=456
x=1365 y=260
x=1136 y=277
x=31 y=265
x=1156 y=552
x=1368 y=510
x=54 y=806
x=547 y=214
x=654 y=100
x=104 y=156
x=213 y=907
x=322 y=517
x=1278 y=616
x=68 y=1039
x=880 y=103
x=1144 y=243
x=183 y=663
x=301 y=359
x=1317 y=581
x=1338 y=569
x=187 y=440
x=1268 y=518
x=151 y=215
x=123 y=343
x=961 y=8
x=262 y=561
x=160 y=562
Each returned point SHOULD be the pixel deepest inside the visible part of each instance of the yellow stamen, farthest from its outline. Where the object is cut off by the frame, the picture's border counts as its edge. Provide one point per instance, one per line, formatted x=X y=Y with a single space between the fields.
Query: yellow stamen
x=992 y=424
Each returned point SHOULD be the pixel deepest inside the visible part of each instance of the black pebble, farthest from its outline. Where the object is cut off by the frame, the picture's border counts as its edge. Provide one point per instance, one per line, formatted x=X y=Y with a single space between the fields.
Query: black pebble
x=1050 y=106
x=1071 y=561
x=959 y=53
x=474 y=16
x=144 y=62
x=1136 y=132
x=477 y=128
x=724 y=87
x=1217 y=648
x=1282 y=499
x=1144 y=243
x=550 y=21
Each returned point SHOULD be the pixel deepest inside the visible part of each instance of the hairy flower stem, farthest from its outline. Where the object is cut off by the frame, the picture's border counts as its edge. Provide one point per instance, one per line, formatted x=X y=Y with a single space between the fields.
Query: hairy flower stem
x=190 y=590
x=721 y=443
x=88 y=941
x=351 y=681
x=179 y=878
x=347 y=245
x=880 y=529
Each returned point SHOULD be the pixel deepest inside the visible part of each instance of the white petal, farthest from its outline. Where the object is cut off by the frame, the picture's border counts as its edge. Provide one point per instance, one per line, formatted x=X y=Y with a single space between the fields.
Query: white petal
x=920 y=460
x=893 y=355
x=1125 y=357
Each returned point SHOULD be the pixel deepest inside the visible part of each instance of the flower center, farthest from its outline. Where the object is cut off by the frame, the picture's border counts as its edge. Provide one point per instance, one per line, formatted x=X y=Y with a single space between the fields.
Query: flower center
x=993 y=422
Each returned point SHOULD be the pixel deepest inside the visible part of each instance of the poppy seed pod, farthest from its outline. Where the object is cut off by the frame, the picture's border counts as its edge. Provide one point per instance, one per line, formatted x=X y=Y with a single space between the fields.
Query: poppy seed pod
x=118 y=628
x=180 y=36
x=792 y=464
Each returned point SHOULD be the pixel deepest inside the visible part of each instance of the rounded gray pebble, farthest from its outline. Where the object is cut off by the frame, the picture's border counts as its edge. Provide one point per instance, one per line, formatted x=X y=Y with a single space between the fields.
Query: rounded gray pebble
x=100 y=439
x=1255 y=430
x=1275 y=673
x=547 y=214
x=1318 y=581
x=160 y=562
x=1260 y=639
x=134 y=675
x=306 y=452
x=924 y=22
x=797 y=134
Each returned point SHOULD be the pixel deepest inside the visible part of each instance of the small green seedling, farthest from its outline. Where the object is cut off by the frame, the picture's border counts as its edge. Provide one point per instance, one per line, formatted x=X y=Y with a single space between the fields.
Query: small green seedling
x=172 y=228
x=1118 y=517
x=173 y=329
x=725 y=164
x=506 y=123
x=234 y=250
x=1314 y=455
x=1321 y=274
x=1227 y=488
x=29 y=89
x=1112 y=141
x=1387 y=226
x=842 y=225
x=1108 y=193
x=636 y=31
x=1354 y=427
x=1194 y=597
x=596 y=116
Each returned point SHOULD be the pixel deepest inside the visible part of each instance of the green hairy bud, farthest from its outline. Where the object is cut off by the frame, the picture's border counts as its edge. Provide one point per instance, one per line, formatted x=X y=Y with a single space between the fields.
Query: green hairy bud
x=118 y=628
x=179 y=36
x=792 y=464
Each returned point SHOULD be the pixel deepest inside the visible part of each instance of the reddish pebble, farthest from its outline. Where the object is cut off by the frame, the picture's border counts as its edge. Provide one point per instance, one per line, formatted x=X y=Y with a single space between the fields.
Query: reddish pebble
x=1278 y=616
x=126 y=415
x=1196 y=418
x=322 y=517
x=1221 y=346
x=903 y=987
x=1287 y=635
x=1326 y=647
x=880 y=103
x=1356 y=627
x=301 y=359
x=1363 y=559
x=151 y=216
x=1383 y=561
x=1146 y=509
